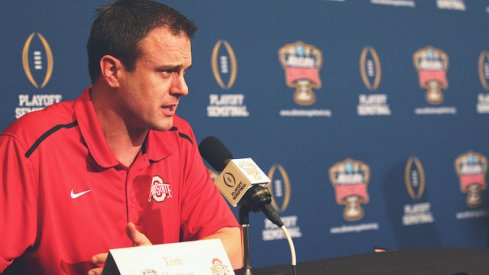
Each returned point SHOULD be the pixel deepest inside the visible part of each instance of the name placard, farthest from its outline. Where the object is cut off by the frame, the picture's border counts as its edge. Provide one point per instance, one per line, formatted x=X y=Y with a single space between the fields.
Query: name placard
x=185 y=258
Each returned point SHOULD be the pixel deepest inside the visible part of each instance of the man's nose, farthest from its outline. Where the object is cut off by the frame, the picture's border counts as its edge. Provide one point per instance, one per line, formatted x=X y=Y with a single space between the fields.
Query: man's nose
x=179 y=86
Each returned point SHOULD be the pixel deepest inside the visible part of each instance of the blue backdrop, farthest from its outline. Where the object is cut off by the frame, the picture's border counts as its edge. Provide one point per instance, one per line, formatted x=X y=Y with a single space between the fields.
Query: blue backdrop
x=369 y=116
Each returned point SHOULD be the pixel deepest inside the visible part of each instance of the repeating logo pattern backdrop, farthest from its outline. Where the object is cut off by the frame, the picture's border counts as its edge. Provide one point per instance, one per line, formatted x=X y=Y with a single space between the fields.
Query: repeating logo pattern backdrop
x=370 y=117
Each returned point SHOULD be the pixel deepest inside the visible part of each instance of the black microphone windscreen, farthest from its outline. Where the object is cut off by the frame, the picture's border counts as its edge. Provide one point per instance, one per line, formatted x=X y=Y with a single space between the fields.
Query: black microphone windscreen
x=215 y=152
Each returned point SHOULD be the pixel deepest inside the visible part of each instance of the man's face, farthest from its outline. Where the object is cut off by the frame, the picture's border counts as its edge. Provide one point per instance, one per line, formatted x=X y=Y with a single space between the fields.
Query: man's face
x=149 y=95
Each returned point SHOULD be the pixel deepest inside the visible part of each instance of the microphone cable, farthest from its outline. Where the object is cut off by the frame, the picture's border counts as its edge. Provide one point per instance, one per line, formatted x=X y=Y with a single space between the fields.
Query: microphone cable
x=291 y=244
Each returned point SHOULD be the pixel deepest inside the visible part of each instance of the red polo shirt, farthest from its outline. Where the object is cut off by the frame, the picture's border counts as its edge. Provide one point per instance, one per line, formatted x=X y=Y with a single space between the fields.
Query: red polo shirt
x=64 y=197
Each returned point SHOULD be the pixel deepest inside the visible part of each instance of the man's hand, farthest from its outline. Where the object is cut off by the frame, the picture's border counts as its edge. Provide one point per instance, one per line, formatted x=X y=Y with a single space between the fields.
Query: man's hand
x=137 y=238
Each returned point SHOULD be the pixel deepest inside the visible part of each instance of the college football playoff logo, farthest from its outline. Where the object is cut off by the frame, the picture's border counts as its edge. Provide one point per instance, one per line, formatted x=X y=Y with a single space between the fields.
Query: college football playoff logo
x=483 y=67
x=370 y=68
x=224 y=64
x=41 y=60
x=279 y=187
x=414 y=178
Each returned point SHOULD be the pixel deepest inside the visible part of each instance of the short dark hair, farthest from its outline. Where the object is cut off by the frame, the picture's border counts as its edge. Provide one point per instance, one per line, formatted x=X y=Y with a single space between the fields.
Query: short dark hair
x=119 y=27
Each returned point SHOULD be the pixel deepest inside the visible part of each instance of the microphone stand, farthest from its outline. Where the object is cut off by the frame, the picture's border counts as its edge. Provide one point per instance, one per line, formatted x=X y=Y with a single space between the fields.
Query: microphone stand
x=244 y=221
x=254 y=200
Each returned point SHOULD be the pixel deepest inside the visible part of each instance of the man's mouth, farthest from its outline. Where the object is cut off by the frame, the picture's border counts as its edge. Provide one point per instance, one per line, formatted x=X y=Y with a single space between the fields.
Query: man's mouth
x=169 y=109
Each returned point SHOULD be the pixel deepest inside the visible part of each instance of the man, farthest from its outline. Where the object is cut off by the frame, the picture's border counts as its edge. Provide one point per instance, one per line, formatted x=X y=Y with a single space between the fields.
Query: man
x=115 y=167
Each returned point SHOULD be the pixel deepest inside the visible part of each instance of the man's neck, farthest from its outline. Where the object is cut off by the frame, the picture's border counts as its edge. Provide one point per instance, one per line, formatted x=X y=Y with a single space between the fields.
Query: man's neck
x=124 y=142
x=124 y=146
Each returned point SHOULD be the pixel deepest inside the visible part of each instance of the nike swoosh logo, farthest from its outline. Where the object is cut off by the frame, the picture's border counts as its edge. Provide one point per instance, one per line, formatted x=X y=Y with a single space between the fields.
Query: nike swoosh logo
x=76 y=195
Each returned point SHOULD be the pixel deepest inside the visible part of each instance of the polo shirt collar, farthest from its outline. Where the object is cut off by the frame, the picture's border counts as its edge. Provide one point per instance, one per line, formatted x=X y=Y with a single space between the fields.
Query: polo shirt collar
x=92 y=132
x=154 y=147
x=97 y=144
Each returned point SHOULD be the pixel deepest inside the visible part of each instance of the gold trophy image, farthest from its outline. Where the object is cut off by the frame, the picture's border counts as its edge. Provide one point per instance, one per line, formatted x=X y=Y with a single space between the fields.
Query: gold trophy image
x=432 y=66
x=350 y=180
x=301 y=63
x=471 y=168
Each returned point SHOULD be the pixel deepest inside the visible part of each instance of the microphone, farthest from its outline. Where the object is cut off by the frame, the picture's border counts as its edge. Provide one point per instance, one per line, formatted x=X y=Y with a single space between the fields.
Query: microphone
x=241 y=181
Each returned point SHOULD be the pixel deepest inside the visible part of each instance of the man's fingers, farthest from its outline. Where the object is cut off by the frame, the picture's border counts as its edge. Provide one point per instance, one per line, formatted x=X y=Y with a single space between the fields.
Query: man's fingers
x=137 y=238
x=99 y=258
x=95 y=271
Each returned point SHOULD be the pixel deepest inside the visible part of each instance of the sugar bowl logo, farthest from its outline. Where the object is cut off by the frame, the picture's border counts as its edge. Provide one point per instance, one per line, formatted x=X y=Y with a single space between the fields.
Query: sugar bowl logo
x=432 y=66
x=225 y=69
x=302 y=63
x=414 y=178
x=371 y=73
x=483 y=68
x=159 y=190
x=350 y=180
x=38 y=65
x=471 y=168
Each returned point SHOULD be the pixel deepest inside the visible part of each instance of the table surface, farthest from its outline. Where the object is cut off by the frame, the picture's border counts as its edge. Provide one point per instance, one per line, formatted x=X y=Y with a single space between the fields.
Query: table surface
x=433 y=261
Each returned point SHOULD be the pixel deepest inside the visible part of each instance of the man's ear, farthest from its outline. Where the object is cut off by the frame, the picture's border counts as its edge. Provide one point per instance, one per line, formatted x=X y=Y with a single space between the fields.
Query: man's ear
x=110 y=70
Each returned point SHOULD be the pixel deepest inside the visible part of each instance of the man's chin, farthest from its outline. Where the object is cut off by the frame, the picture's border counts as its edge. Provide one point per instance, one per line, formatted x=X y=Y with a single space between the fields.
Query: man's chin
x=164 y=125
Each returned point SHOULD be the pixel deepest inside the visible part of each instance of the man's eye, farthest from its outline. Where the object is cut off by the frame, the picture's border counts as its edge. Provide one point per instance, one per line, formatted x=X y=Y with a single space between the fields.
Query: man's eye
x=170 y=71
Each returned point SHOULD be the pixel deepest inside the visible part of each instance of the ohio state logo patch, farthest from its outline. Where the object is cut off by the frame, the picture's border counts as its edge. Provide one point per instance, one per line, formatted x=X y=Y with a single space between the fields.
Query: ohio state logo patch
x=159 y=189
